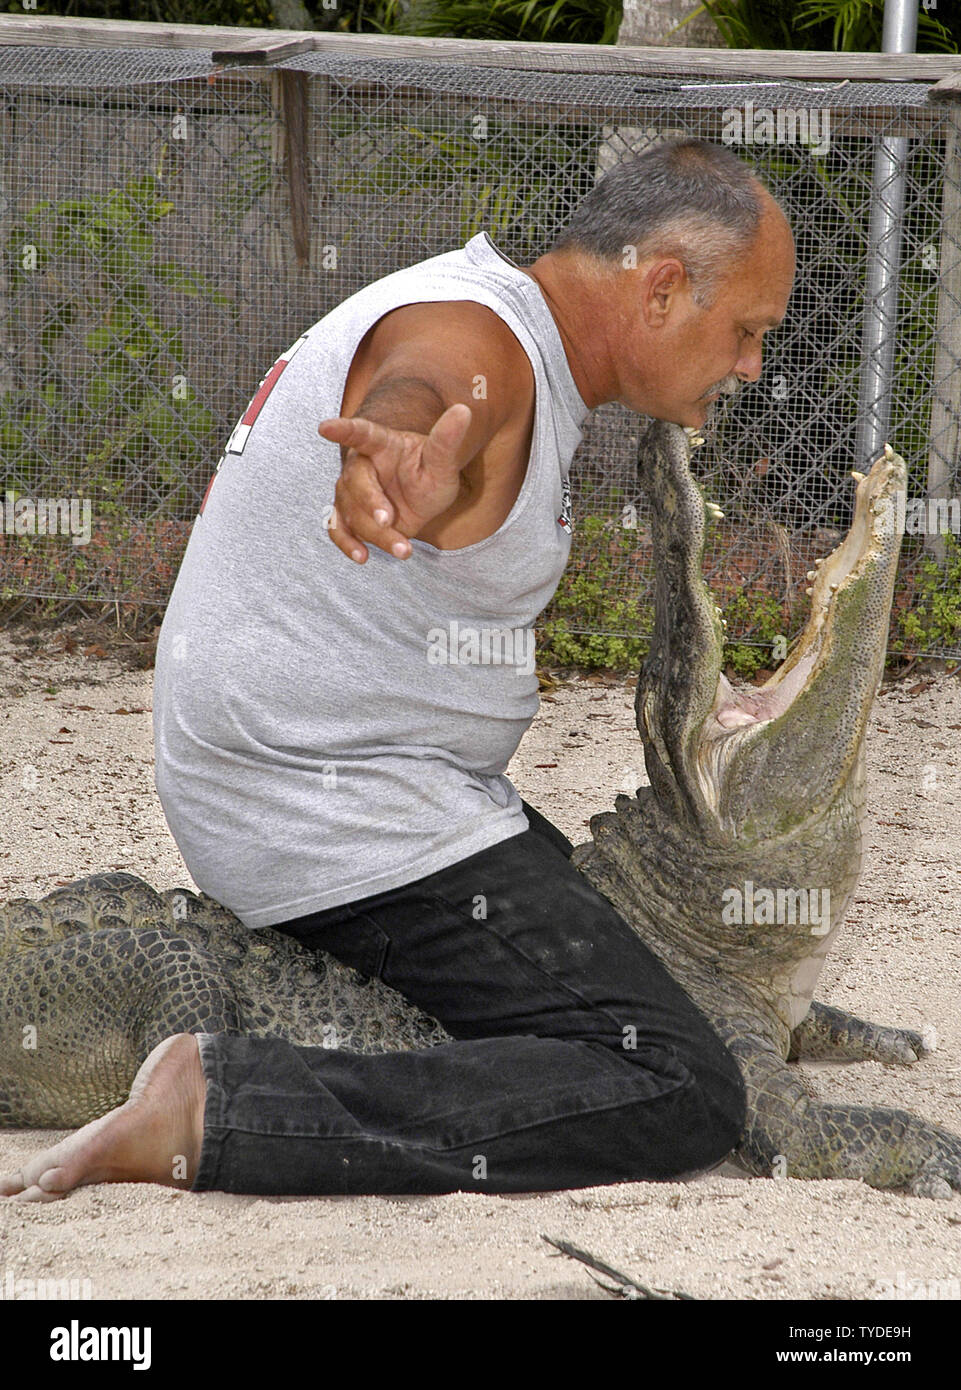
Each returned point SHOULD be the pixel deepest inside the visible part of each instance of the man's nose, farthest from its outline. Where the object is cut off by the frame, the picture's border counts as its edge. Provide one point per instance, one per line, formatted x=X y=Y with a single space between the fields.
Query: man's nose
x=749 y=364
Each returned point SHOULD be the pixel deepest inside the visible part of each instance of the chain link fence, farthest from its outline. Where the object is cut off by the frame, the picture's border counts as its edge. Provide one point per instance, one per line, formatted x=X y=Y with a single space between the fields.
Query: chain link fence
x=169 y=225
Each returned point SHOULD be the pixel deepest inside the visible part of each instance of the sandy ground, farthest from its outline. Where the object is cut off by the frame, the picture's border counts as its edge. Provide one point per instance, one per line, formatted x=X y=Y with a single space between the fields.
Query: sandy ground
x=78 y=797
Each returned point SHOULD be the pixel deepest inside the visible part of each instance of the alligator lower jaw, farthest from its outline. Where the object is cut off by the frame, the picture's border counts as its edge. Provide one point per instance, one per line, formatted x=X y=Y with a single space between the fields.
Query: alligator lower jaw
x=872 y=534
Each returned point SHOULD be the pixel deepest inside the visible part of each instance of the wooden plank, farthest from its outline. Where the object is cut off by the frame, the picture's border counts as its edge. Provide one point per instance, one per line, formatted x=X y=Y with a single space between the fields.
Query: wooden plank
x=122 y=33
x=293 y=88
x=572 y=57
x=948 y=89
x=259 y=51
x=606 y=59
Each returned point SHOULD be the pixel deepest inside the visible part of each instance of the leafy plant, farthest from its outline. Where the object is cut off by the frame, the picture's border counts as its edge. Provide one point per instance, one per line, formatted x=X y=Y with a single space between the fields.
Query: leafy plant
x=89 y=267
x=239 y=12
x=587 y=624
x=564 y=21
x=515 y=181
x=848 y=26
x=933 y=621
x=757 y=613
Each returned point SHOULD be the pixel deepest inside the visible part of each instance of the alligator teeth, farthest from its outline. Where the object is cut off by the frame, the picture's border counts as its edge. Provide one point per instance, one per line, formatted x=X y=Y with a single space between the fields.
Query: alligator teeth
x=811 y=574
x=819 y=562
x=858 y=477
x=833 y=588
x=888 y=452
x=809 y=592
x=714 y=510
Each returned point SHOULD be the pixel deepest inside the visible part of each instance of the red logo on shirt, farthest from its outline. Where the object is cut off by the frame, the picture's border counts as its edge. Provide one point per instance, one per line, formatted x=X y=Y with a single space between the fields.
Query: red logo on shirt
x=566 y=517
x=241 y=431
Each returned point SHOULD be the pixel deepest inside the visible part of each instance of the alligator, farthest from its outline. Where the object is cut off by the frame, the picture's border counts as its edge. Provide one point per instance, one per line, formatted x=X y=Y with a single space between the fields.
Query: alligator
x=735 y=865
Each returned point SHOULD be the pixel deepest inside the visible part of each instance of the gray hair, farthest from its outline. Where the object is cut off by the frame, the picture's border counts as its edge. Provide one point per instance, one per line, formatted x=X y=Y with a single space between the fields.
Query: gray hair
x=685 y=198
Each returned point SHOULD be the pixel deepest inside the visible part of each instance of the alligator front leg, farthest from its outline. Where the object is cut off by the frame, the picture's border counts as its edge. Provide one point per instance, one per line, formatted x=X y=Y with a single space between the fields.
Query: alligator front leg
x=829 y=1034
x=791 y=1134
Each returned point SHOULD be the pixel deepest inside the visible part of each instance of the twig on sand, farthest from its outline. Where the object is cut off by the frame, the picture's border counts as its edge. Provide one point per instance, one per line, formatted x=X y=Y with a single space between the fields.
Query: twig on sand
x=629 y=1288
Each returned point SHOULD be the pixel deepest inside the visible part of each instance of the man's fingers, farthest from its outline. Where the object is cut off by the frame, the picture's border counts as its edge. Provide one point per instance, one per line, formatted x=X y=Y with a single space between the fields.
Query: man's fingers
x=441 y=445
x=384 y=538
x=347 y=542
x=359 y=488
x=430 y=479
x=424 y=480
x=356 y=433
x=364 y=513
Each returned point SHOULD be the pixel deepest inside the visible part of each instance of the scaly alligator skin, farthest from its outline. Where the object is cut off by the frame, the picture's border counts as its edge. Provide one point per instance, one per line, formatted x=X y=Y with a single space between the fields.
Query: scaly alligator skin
x=94 y=975
x=754 y=786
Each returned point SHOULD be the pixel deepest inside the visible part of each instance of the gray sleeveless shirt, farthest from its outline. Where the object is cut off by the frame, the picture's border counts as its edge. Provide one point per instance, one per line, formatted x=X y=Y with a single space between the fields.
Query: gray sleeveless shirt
x=324 y=730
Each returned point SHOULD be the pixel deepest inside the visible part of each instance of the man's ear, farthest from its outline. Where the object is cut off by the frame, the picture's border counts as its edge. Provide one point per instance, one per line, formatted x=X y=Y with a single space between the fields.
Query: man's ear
x=663 y=282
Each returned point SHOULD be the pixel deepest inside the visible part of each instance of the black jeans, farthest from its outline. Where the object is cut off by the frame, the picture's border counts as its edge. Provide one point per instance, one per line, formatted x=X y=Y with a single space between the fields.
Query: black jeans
x=578 y=1059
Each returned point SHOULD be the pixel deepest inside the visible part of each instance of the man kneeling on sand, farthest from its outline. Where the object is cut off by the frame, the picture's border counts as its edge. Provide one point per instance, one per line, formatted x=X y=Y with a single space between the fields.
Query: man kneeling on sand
x=326 y=775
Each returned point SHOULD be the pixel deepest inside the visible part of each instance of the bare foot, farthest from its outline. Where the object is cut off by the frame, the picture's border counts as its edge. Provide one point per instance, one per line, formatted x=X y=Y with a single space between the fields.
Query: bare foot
x=155 y=1136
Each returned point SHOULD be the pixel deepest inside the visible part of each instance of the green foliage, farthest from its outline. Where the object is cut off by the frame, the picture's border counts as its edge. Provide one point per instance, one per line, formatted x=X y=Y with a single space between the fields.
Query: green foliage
x=564 y=21
x=250 y=177
x=933 y=622
x=750 y=23
x=586 y=609
x=513 y=181
x=845 y=26
x=588 y=624
x=761 y=615
x=246 y=13
x=130 y=412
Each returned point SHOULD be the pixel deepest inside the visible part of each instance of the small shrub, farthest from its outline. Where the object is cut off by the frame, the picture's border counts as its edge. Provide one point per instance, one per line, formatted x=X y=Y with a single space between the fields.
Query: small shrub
x=587 y=600
x=933 y=621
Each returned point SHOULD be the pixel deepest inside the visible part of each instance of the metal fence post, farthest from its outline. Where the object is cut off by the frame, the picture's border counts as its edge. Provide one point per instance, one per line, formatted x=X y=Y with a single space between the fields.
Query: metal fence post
x=884 y=258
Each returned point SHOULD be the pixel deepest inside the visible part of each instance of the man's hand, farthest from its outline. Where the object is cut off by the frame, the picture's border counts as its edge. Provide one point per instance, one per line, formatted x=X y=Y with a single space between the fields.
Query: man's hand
x=393 y=482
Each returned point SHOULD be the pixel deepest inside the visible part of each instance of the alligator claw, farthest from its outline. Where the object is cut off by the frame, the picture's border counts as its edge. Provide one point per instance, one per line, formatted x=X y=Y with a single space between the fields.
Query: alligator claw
x=829 y=1034
x=931 y=1185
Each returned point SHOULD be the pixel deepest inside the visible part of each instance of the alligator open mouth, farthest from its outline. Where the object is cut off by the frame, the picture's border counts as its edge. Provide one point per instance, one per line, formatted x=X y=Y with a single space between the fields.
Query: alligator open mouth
x=715 y=752
x=868 y=543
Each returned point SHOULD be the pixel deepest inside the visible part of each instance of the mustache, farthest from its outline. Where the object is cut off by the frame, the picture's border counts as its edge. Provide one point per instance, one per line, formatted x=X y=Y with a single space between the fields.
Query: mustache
x=727 y=387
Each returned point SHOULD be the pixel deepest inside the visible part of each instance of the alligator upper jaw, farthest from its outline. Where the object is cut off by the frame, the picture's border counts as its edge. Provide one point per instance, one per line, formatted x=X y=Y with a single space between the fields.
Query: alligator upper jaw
x=743 y=764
